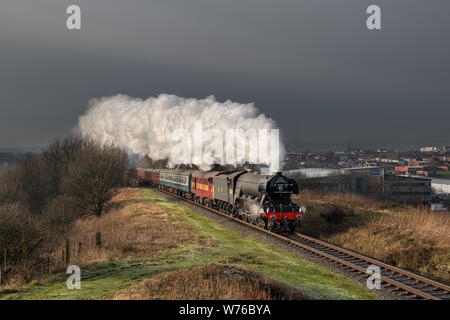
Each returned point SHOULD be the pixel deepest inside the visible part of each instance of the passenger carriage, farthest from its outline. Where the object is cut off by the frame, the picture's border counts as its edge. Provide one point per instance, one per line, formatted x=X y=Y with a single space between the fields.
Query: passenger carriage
x=179 y=180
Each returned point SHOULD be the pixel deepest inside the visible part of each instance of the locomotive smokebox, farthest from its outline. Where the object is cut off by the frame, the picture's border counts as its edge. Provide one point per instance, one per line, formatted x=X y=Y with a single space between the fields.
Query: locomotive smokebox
x=255 y=184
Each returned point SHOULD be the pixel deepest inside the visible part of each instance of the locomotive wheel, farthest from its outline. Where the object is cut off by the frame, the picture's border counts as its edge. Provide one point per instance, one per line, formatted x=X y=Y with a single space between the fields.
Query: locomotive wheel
x=241 y=214
x=275 y=227
x=260 y=223
x=292 y=227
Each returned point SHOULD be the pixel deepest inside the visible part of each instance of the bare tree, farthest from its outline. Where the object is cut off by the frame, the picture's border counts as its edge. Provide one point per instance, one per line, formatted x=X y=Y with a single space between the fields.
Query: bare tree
x=10 y=185
x=42 y=197
x=145 y=162
x=35 y=183
x=94 y=175
x=58 y=156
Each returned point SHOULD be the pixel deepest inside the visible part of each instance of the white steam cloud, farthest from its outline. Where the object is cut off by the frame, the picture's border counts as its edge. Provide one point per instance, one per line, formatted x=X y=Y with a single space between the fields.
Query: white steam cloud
x=146 y=127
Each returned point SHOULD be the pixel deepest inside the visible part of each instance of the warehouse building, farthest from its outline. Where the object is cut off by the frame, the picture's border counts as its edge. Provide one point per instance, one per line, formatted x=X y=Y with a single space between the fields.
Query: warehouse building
x=367 y=181
x=407 y=188
x=441 y=186
x=361 y=180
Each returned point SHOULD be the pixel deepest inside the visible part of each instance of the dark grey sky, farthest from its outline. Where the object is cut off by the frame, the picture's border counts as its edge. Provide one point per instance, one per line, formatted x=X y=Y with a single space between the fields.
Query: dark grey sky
x=312 y=65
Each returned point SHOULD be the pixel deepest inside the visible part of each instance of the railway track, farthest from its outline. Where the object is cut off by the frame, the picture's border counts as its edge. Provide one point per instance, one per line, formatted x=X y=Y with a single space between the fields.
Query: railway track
x=409 y=282
x=412 y=283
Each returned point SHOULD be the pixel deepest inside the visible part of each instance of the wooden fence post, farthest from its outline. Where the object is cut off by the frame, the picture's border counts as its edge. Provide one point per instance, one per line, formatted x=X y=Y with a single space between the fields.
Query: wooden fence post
x=24 y=252
x=62 y=256
x=67 y=251
x=98 y=240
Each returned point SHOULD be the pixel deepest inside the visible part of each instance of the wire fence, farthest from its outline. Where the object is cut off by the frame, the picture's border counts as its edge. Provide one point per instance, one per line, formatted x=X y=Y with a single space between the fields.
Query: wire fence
x=15 y=261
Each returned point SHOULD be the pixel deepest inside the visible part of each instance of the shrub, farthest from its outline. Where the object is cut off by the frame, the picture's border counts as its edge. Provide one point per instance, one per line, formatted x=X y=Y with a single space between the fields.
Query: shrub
x=42 y=197
x=18 y=230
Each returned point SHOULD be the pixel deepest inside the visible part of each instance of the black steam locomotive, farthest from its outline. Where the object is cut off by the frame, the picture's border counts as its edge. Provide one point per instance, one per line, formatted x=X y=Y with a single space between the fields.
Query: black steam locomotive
x=263 y=200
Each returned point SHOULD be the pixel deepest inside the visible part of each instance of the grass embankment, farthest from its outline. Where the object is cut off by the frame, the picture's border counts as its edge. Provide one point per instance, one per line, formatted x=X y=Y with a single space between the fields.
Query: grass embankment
x=211 y=281
x=155 y=248
x=408 y=237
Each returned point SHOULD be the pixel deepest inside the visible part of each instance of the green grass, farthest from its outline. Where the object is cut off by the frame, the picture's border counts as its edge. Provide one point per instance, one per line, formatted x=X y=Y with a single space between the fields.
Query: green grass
x=103 y=280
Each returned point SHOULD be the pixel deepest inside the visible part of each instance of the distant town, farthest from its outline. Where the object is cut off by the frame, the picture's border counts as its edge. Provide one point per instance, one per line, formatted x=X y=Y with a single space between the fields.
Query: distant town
x=416 y=176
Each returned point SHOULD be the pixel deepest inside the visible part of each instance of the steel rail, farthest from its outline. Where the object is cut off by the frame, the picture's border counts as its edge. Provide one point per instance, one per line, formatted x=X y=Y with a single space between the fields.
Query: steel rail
x=345 y=260
x=379 y=263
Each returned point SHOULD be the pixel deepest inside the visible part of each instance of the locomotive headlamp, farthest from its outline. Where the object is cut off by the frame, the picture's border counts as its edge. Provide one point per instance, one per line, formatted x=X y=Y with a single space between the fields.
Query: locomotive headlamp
x=302 y=209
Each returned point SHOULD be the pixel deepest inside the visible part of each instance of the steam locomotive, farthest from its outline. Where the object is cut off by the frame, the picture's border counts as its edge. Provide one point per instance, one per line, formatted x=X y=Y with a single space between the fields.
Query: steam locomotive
x=263 y=200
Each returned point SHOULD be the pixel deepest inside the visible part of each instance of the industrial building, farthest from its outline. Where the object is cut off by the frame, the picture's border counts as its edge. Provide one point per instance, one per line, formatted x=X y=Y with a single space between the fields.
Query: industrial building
x=411 y=189
x=441 y=186
x=367 y=181
x=361 y=180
